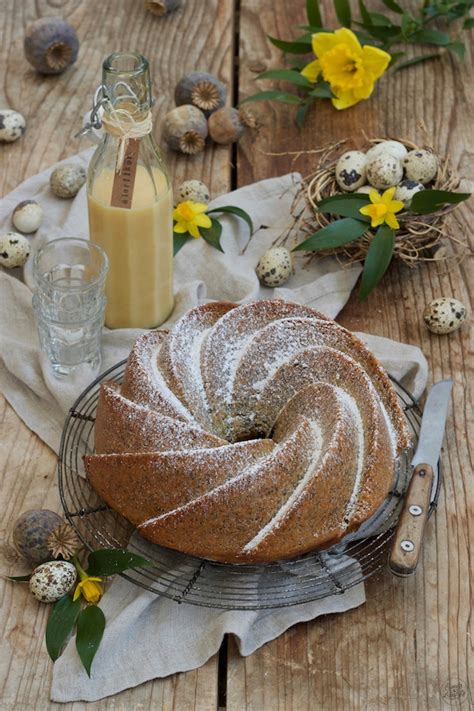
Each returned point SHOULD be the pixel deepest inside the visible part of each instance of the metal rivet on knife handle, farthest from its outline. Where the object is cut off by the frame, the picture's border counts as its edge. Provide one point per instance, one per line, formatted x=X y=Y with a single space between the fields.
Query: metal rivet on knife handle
x=406 y=547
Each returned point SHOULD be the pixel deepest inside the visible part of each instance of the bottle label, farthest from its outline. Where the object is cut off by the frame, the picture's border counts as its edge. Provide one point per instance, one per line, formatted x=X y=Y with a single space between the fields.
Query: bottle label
x=122 y=189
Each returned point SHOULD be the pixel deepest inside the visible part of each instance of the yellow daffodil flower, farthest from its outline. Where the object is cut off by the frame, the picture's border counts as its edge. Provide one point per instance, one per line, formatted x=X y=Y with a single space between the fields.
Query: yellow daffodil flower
x=350 y=69
x=189 y=216
x=89 y=586
x=382 y=208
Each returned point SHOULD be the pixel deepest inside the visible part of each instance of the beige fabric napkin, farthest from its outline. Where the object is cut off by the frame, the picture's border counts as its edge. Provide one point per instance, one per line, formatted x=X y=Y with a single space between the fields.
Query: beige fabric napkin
x=149 y=636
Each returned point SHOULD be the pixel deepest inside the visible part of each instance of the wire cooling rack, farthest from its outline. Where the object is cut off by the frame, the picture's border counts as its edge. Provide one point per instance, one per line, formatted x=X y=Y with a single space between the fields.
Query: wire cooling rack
x=185 y=578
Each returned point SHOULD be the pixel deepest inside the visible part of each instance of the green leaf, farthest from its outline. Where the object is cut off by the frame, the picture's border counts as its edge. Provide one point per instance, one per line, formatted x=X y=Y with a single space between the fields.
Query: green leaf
x=343 y=12
x=377 y=260
x=286 y=75
x=395 y=56
x=365 y=14
x=179 y=240
x=301 y=114
x=292 y=47
x=409 y=25
x=468 y=24
x=392 y=5
x=313 y=13
x=90 y=628
x=274 y=95
x=20 y=578
x=321 y=91
x=459 y=48
x=428 y=36
x=427 y=201
x=417 y=60
x=61 y=622
x=234 y=211
x=333 y=235
x=345 y=205
x=381 y=20
x=110 y=561
x=212 y=234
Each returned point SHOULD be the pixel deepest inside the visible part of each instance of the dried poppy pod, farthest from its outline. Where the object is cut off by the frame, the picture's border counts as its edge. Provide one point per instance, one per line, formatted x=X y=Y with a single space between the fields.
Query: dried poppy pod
x=201 y=89
x=161 y=7
x=225 y=125
x=51 y=45
x=185 y=129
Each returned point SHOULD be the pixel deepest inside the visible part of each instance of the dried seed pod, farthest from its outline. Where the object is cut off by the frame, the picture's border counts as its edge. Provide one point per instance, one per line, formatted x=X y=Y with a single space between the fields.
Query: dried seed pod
x=31 y=532
x=185 y=129
x=51 y=45
x=225 y=125
x=161 y=7
x=201 y=89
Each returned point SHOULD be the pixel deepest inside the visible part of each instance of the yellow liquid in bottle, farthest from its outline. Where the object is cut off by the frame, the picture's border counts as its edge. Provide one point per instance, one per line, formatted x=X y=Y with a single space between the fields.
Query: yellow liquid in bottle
x=139 y=244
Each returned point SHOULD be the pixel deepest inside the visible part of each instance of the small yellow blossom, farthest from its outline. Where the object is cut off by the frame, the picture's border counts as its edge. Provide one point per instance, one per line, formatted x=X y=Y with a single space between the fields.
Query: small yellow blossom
x=382 y=208
x=189 y=216
x=89 y=586
x=350 y=69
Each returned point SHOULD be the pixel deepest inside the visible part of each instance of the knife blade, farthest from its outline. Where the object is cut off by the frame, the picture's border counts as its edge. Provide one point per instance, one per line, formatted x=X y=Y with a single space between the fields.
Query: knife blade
x=408 y=538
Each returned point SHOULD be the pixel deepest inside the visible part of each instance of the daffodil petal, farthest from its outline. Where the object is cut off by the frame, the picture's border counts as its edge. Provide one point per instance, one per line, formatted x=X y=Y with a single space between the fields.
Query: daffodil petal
x=198 y=207
x=180 y=227
x=202 y=221
x=312 y=71
x=322 y=42
x=364 y=91
x=388 y=195
x=344 y=100
x=346 y=36
x=377 y=221
x=395 y=206
x=375 y=60
x=374 y=196
x=366 y=210
x=77 y=592
x=392 y=221
x=96 y=580
x=193 y=230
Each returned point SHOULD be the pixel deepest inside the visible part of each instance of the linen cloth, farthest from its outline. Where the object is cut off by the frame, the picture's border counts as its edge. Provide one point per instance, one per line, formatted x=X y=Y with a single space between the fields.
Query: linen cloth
x=149 y=636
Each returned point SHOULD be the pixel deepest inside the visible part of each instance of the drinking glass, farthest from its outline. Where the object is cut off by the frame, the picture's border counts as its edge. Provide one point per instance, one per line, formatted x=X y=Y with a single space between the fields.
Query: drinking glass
x=69 y=302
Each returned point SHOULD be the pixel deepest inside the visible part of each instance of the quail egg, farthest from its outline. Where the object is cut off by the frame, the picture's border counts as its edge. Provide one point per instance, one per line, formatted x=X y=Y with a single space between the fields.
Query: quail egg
x=393 y=148
x=351 y=170
x=27 y=216
x=365 y=189
x=66 y=180
x=274 y=267
x=406 y=189
x=12 y=125
x=420 y=165
x=14 y=250
x=444 y=315
x=194 y=190
x=31 y=532
x=50 y=581
x=384 y=171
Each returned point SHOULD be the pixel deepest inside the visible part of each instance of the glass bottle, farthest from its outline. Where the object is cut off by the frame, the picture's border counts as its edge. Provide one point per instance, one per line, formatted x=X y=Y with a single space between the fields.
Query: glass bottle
x=130 y=200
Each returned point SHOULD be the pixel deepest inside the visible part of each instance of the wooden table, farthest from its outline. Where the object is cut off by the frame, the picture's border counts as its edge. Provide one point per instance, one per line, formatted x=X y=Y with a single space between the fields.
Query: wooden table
x=410 y=641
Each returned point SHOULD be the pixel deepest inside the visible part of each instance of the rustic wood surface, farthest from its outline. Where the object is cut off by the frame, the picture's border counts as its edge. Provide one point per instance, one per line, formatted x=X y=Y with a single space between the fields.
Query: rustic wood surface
x=410 y=644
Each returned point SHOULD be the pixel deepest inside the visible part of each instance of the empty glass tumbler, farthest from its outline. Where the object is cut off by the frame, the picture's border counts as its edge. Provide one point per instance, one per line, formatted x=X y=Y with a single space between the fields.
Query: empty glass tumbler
x=69 y=302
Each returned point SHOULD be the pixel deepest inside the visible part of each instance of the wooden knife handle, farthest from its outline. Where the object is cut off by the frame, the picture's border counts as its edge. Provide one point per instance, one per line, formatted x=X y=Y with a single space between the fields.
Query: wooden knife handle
x=406 y=546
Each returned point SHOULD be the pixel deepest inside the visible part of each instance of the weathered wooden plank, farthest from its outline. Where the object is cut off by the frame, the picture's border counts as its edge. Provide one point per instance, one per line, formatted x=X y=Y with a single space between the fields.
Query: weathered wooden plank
x=412 y=638
x=198 y=36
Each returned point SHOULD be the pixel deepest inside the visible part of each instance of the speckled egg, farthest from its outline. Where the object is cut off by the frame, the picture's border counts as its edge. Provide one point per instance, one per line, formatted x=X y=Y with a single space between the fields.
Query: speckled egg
x=31 y=532
x=274 y=268
x=420 y=165
x=66 y=180
x=364 y=189
x=14 y=250
x=406 y=190
x=52 y=580
x=384 y=171
x=194 y=190
x=393 y=148
x=444 y=315
x=351 y=170
x=27 y=216
x=12 y=125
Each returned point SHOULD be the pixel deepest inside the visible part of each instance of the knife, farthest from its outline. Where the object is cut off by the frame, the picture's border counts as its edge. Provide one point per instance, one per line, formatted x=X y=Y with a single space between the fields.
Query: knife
x=406 y=546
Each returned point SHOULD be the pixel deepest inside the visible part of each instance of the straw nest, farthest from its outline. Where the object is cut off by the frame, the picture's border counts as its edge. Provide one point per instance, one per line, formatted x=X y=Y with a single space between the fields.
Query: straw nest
x=419 y=237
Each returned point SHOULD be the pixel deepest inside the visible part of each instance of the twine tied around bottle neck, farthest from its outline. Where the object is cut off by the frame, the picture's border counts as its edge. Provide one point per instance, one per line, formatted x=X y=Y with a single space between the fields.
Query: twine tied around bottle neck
x=123 y=123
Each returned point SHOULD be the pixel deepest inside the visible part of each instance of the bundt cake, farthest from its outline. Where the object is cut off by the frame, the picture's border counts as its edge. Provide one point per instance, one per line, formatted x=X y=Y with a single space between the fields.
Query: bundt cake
x=248 y=433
